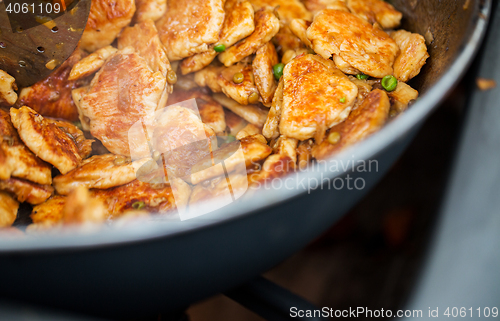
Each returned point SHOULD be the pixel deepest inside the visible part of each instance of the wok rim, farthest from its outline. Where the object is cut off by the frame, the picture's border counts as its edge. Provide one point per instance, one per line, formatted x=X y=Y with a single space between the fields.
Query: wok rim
x=363 y=150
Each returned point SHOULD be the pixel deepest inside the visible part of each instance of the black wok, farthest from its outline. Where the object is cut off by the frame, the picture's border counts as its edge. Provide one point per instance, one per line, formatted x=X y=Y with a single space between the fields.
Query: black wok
x=167 y=264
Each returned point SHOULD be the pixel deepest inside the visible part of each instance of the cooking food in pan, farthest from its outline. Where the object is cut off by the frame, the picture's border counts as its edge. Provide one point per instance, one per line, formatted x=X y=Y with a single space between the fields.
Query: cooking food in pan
x=264 y=86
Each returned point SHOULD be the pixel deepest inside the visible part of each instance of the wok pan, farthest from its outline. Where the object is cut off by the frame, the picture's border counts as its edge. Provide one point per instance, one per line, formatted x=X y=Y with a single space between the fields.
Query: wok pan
x=165 y=264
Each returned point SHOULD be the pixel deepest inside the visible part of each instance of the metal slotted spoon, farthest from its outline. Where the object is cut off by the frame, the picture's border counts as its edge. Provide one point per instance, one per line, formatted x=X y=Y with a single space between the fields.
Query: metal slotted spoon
x=37 y=36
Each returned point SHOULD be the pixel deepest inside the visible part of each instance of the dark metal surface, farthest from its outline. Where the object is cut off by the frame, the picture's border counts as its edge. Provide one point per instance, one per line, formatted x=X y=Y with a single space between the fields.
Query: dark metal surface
x=175 y=263
x=463 y=266
x=271 y=301
x=25 y=51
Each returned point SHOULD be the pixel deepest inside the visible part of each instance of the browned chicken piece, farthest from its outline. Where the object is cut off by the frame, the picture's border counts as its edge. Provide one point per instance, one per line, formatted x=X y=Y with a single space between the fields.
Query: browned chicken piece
x=218 y=191
x=274 y=167
x=361 y=123
x=8 y=89
x=304 y=151
x=123 y=92
x=248 y=130
x=287 y=9
x=289 y=55
x=238 y=24
x=241 y=92
x=149 y=10
x=376 y=11
x=208 y=77
x=254 y=114
x=262 y=66
x=364 y=88
x=234 y=122
x=139 y=195
x=401 y=97
x=49 y=213
x=45 y=139
x=77 y=95
x=344 y=66
x=26 y=191
x=412 y=56
x=83 y=145
x=189 y=26
x=316 y=96
x=286 y=146
x=267 y=26
x=285 y=40
x=81 y=208
x=271 y=126
x=211 y=112
x=106 y=20
x=51 y=97
x=100 y=171
x=92 y=63
x=299 y=28
x=254 y=149
x=317 y=5
x=16 y=160
x=143 y=37
x=8 y=210
x=182 y=139
x=367 y=49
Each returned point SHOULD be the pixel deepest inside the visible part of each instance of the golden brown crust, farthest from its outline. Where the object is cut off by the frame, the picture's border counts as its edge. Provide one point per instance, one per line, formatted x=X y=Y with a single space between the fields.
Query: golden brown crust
x=242 y=91
x=25 y=191
x=376 y=11
x=357 y=42
x=16 y=159
x=8 y=86
x=262 y=65
x=401 y=97
x=412 y=56
x=120 y=199
x=106 y=20
x=266 y=27
x=271 y=126
x=238 y=24
x=83 y=145
x=91 y=63
x=50 y=212
x=316 y=96
x=46 y=139
x=189 y=26
x=287 y=9
x=362 y=122
x=100 y=171
x=8 y=210
x=51 y=97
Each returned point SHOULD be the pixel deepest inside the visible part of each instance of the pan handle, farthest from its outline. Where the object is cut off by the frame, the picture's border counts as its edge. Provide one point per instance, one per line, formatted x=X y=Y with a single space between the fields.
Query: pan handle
x=271 y=301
